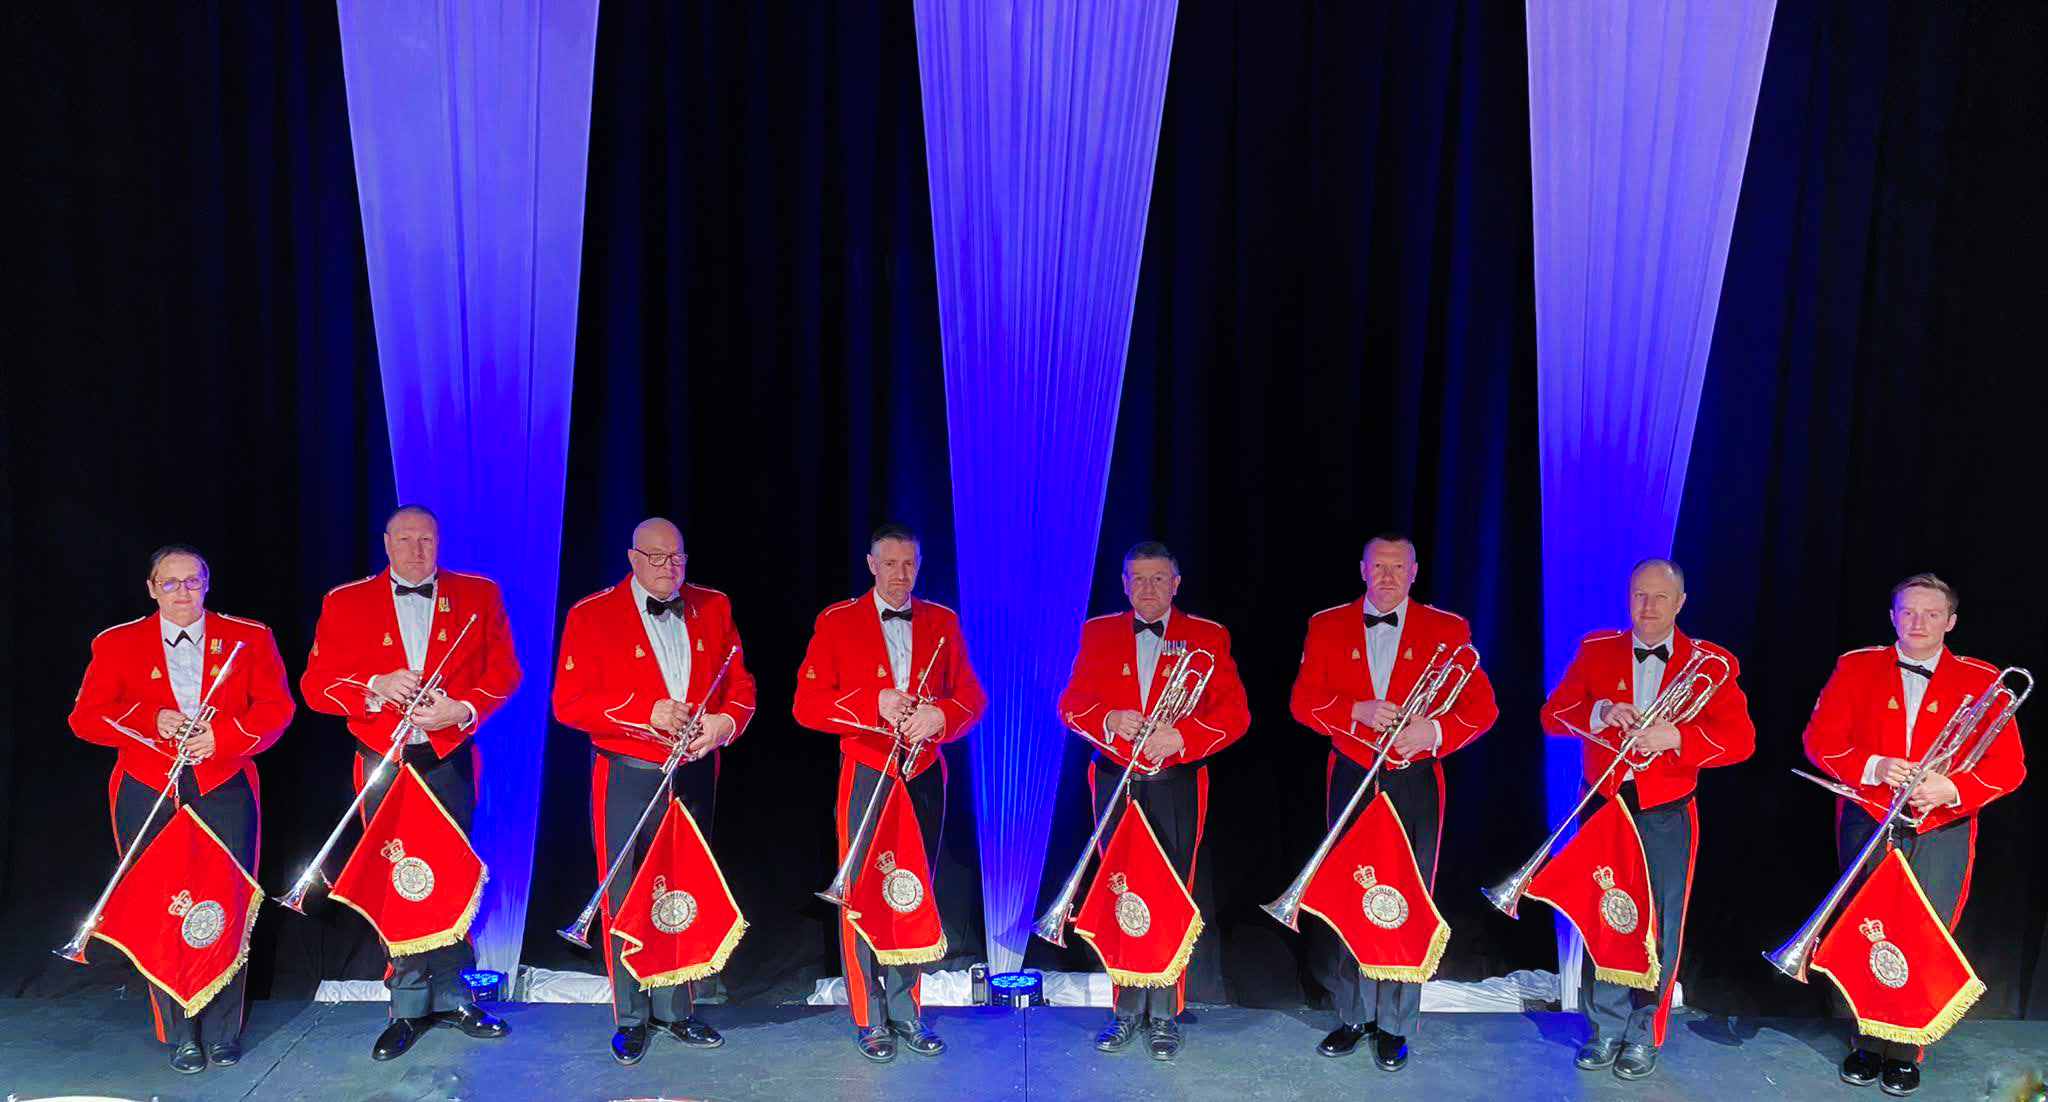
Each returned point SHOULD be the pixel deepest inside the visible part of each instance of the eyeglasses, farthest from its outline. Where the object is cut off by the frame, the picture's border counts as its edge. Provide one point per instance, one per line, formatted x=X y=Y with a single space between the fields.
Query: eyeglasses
x=661 y=560
x=172 y=585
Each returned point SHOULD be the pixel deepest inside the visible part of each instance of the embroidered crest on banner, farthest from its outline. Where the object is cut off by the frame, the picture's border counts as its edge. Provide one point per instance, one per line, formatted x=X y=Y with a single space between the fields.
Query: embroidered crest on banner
x=900 y=887
x=1384 y=904
x=1133 y=917
x=1617 y=910
x=672 y=911
x=1887 y=961
x=203 y=922
x=412 y=877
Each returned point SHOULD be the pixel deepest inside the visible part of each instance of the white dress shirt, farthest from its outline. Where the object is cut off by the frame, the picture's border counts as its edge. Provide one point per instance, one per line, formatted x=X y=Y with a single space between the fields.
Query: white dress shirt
x=896 y=635
x=1915 y=694
x=415 y=624
x=1150 y=647
x=670 y=638
x=185 y=661
x=1646 y=679
x=1383 y=649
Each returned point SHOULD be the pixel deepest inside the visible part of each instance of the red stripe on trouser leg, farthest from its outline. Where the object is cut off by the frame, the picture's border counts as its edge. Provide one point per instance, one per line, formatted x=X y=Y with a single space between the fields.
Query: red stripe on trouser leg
x=600 y=773
x=1661 y=1021
x=849 y=941
x=1180 y=986
x=1436 y=853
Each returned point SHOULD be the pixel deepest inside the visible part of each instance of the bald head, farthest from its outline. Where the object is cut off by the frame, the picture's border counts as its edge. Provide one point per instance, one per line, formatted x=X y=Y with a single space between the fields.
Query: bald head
x=1656 y=591
x=656 y=557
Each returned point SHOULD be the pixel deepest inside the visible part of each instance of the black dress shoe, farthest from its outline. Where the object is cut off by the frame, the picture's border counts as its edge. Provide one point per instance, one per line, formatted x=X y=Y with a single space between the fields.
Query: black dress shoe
x=1598 y=1054
x=1117 y=1035
x=1860 y=1068
x=473 y=1022
x=189 y=1058
x=1636 y=1060
x=692 y=1031
x=1343 y=1040
x=629 y=1044
x=1899 y=1078
x=1165 y=1041
x=398 y=1037
x=876 y=1043
x=1389 y=1051
x=918 y=1037
x=224 y=1053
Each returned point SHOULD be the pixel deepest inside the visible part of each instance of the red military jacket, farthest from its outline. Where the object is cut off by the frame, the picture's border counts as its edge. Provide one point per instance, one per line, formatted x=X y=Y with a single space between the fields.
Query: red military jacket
x=608 y=680
x=358 y=638
x=1861 y=712
x=126 y=684
x=1336 y=672
x=1105 y=679
x=846 y=667
x=1604 y=669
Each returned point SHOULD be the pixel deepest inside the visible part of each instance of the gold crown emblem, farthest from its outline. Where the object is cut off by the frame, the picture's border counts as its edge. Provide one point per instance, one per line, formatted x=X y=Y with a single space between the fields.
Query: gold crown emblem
x=1118 y=884
x=393 y=851
x=1604 y=877
x=1872 y=929
x=887 y=861
x=181 y=903
x=660 y=886
x=1365 y=876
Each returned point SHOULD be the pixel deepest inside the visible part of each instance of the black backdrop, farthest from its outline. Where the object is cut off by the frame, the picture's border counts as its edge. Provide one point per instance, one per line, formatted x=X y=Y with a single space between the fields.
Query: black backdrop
x=1333 y=335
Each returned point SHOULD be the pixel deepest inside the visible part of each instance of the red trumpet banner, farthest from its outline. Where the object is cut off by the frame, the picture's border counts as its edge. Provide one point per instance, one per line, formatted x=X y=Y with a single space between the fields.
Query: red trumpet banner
x=679 y=920
x=891 y=905
x=1137 y=915
x=1892 y=958
x=1370 y=890
x=1600 y=881
x=413 y=875
x=184 y=912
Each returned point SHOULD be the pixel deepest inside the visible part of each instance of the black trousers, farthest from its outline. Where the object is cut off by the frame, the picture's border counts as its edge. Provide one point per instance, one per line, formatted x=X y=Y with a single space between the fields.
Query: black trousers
x=1174 y=800
x=230 y=810
x=1940 y=860
x=425 y=983
x=620 y=788
x=1417 y=796
x=1670 y=835
x=876 y=993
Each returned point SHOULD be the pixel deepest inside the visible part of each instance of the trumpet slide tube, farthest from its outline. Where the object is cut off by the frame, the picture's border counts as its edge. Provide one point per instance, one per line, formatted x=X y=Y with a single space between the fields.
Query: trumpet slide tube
x=295 y=898
x=578 y=931
x=74 y=950
x=1176 y=702
x=835 y=893
x=1433 y=694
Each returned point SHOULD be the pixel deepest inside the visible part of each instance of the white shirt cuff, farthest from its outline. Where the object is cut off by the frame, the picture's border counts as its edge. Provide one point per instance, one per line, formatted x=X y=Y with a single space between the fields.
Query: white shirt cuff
x=1600 y=713
x=1870 y=770
x=1437 y=742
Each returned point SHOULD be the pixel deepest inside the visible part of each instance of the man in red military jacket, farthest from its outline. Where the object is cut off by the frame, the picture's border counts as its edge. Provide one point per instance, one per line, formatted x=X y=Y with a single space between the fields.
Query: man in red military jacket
x=146 y=679
x=861 y=671
x=1881 y=711
x=637 y=660
x=1118 y=675
x=1610 y=685
x=376 y=641
x=1358 y=665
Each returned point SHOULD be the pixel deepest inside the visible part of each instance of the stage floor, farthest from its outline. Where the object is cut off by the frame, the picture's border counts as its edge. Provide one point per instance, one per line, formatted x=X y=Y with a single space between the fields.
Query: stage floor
x=321 y=1051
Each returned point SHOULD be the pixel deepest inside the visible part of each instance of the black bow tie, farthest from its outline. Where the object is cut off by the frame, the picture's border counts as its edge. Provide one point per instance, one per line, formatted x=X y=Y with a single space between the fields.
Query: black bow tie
x=185 y=638
x=656 y=606
x=424 y=589
x=1391 y=619
x=1921 y=670
x=1156 y=627
x=1660 y=652
x=889 y=614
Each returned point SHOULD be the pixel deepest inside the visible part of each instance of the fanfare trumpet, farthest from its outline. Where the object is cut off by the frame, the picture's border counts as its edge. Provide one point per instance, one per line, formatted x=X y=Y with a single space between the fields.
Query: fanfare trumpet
x=1680 y=702
x=1177 y=701
x=1958 y=749
x=579 y=930
x=856 y=846
x=296 y=897
x=1434 y=693
x=74 y=950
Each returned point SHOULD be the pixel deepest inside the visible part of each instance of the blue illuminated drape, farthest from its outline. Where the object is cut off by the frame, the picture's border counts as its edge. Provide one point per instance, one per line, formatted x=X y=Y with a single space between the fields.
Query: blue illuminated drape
x=1639 y=121
x=1041 y=124
x=471 y=127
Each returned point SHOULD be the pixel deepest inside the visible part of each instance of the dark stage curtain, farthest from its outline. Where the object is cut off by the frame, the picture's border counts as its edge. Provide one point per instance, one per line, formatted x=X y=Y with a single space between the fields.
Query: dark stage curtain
x=189 y=358
x=757 y=359
x=1872 y=410
x=1334 y=337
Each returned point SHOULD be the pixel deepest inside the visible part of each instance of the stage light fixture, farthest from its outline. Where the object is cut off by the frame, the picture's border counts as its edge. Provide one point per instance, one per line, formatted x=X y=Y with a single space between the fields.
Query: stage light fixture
x=1015 y=989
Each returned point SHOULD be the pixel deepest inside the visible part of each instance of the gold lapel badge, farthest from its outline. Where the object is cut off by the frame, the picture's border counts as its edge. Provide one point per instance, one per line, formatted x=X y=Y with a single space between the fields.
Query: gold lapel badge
x=155 y=673
x=1354 y=654
x=1893 y=704
x=639 y=651
x=387 y=638
x=213 y=645
x=442 y=602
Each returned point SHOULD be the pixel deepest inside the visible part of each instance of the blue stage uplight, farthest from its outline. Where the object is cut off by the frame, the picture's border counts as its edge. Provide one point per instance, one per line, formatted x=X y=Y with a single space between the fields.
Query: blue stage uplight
x=484 y=983
x=1016 y=989
x=1041 y=122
